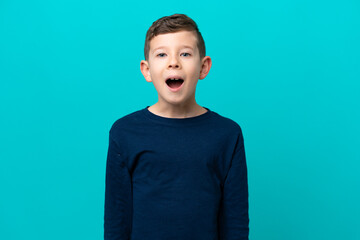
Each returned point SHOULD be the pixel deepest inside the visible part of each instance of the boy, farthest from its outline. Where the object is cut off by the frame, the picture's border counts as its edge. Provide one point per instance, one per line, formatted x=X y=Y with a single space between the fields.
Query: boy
x=175 y=170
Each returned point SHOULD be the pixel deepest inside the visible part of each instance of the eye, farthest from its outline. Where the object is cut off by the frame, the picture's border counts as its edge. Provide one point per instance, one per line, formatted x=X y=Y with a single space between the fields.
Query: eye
x=185 y=54
x=161 y=55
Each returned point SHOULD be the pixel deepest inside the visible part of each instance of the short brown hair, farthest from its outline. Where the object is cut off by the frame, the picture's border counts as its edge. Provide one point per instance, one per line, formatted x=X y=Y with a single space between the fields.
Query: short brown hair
x=171 y=24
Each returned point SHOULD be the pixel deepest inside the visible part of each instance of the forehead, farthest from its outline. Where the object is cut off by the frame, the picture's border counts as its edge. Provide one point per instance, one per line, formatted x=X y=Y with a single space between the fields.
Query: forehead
x=176 y=39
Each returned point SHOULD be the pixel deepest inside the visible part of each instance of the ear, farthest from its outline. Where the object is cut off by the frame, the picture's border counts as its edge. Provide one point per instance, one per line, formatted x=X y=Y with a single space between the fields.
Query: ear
x=205 y=67
x=145 y=70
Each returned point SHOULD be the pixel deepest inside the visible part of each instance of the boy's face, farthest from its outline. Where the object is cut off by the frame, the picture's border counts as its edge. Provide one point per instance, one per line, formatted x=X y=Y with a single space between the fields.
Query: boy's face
x=175 y=55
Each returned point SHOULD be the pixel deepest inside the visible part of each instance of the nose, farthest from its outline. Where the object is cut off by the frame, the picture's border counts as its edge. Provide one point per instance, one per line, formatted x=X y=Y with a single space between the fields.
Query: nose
x=174 y=62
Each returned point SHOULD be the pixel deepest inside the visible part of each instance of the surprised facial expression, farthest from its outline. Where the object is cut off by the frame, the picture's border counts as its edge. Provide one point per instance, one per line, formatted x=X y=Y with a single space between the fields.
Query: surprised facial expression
x=174 y=66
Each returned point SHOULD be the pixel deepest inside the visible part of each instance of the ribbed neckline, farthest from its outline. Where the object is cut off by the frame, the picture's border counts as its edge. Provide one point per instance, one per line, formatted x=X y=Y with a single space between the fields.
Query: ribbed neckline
x=177 y=121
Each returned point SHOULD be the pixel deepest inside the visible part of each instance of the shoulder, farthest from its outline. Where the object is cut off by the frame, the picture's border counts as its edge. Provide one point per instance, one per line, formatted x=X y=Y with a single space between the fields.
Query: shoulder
x=125 y=122
x=230 y=132
x=227 y=124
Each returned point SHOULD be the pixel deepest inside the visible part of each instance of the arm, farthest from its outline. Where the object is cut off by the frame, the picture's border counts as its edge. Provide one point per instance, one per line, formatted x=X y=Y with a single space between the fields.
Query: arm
x=233 y=215
x=118 y=196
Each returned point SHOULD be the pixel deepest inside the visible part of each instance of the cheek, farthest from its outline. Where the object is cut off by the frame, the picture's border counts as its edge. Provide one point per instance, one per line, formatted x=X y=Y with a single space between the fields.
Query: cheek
x=195 y=72
x=155 y=70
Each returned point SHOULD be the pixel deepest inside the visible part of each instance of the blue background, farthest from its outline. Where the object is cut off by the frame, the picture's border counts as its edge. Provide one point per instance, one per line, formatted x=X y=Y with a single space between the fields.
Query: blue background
x=286 y=71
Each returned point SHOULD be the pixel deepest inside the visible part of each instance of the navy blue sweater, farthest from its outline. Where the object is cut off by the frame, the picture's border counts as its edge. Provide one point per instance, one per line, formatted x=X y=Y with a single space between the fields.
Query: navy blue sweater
x=176 y=178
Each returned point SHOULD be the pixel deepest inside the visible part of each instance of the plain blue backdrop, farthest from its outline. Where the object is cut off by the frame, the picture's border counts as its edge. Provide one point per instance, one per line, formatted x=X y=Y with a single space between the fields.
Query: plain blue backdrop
x=287 y=71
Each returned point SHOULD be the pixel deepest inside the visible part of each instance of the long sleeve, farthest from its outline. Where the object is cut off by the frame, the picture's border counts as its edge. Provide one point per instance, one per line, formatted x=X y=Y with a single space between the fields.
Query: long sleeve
x=233 y=213
x=118 y=196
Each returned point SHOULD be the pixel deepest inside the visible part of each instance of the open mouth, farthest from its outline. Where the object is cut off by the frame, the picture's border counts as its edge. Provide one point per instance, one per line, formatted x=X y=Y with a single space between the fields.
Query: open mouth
x=174 y=82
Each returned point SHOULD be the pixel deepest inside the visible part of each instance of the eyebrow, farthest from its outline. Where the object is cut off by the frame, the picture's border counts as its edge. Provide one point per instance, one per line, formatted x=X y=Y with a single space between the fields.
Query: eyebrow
x=183 y=46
